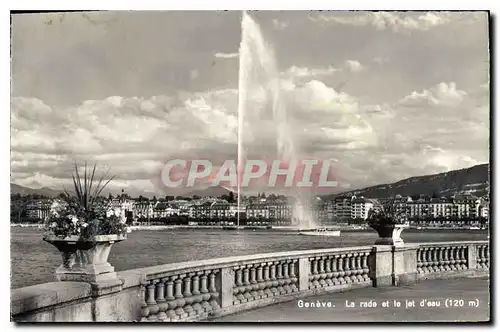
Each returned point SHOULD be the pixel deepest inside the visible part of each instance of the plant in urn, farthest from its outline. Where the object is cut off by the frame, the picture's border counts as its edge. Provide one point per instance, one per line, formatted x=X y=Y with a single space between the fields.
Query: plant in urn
x=389 y=223
x=83 y=227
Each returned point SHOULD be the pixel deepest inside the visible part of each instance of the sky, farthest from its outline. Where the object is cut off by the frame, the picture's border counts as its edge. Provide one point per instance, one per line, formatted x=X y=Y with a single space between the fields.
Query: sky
x=385 y=95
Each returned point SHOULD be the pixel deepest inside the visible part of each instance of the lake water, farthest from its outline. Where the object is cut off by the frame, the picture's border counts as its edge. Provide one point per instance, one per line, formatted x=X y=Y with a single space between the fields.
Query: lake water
x=34 y=261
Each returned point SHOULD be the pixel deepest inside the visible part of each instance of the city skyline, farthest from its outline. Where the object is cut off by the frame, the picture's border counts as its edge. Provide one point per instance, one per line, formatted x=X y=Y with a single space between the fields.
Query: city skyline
x=387 y=95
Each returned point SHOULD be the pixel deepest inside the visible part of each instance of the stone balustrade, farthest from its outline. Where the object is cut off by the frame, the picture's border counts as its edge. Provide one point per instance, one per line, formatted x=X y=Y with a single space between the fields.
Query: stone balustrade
x=193 y=291
x=221 y=286
x=339 y=269
x=448 y=258
x=483 y=256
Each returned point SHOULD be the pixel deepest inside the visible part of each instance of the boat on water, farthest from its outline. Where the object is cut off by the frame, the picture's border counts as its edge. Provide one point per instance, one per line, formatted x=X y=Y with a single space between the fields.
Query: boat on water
x=320 y=232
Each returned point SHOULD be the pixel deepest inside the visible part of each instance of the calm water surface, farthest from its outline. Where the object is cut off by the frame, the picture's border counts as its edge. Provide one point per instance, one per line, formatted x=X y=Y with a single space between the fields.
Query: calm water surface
x=34 y=261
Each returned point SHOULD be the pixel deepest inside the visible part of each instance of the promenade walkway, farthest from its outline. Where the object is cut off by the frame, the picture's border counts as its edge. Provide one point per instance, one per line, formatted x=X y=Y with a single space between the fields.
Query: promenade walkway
x=473 y=291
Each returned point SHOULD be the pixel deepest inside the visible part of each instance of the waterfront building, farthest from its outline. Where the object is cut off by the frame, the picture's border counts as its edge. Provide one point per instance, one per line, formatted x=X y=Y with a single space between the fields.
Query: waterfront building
x=484 y=210
x=466 y=205
x=360 y=207
x=280 y=212
x=258 y=210
x=220 y=210
x=342 y=207
x=39 y=209
x=142 y=209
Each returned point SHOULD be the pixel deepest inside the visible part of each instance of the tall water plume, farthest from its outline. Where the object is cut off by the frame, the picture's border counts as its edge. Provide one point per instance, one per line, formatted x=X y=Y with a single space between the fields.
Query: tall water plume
x=260 y=98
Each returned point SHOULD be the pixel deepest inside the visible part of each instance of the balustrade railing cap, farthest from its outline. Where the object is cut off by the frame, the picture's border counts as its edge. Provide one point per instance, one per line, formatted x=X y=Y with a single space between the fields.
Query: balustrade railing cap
x=454 y=243
x=184 y=267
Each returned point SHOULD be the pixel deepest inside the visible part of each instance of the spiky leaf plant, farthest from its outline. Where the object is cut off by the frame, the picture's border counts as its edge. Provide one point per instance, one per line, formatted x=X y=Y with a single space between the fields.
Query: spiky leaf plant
x=85 y=214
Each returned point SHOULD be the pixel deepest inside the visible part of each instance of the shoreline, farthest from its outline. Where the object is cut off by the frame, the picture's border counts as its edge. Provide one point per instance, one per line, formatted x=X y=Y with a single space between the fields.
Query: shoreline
x=232 y=227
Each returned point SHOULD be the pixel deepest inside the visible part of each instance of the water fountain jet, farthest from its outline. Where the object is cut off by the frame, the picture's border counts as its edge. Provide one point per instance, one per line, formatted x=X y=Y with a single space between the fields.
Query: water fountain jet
x=258 y=71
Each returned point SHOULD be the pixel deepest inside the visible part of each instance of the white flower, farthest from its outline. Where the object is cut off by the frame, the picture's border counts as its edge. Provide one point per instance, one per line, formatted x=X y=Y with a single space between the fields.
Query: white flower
x=74 y=219
x=84 y=225
x=109 y=213
x=123 y=219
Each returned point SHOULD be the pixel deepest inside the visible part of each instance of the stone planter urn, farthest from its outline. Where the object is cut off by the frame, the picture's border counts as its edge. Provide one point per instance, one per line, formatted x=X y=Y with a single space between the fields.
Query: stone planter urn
x=389 y=234
x=85 y=260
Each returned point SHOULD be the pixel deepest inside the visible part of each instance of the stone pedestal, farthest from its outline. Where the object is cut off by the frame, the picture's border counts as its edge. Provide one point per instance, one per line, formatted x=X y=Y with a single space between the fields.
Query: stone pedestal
x=381 y=266
x=389 y=234
x=86 y=261
x=404 y=262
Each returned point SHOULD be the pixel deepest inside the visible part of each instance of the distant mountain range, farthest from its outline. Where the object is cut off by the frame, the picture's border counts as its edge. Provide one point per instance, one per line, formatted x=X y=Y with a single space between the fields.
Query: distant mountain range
x=211 y=191
x=24 y=191
x=473 y=180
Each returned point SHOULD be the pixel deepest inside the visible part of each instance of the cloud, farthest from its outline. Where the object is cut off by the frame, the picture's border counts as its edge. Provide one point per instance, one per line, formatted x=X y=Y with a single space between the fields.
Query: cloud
x=295 y=71
x=443 y=94
x=436 y=129
x=226 y=55
x=135 y=136
x=396 y=21
x=354 y=66
x=279 y=25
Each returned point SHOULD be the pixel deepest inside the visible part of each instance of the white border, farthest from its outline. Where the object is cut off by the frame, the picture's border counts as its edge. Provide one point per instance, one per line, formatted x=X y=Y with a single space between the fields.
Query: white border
x=180 y=5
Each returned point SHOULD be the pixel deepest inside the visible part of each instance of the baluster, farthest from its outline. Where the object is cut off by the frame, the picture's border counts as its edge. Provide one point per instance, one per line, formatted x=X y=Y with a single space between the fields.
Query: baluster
x=441 y=258
x=144 y=305
x=188 y=296
x=286 y=277
x=253 y=283
x=341 y=269
x=452 y=257
x=293 y=276
x=425 y=262
x=348 y=268
x=315 y=274
x=428 y=259
x=486 y=256
x=205 y=295
x=464 y=253
x=352 y=267
x=160 y=300
x=279 y=276
x=171 y=301
x=431 y=259
x=446 y=259
x=335 y=272
x=419 y=260
x=260 y=281
x=179 y=310
x=153 y=307
x=366 y=268
x=238 y=289
x=328 y=271
x=274 y=284
x=435 y=259
x=479 y=256
x=321 y=272
x=246 y=282
x=267 y=280
x=461 y=260
x=311 y=273
x=213 y=290
x=359 y=269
